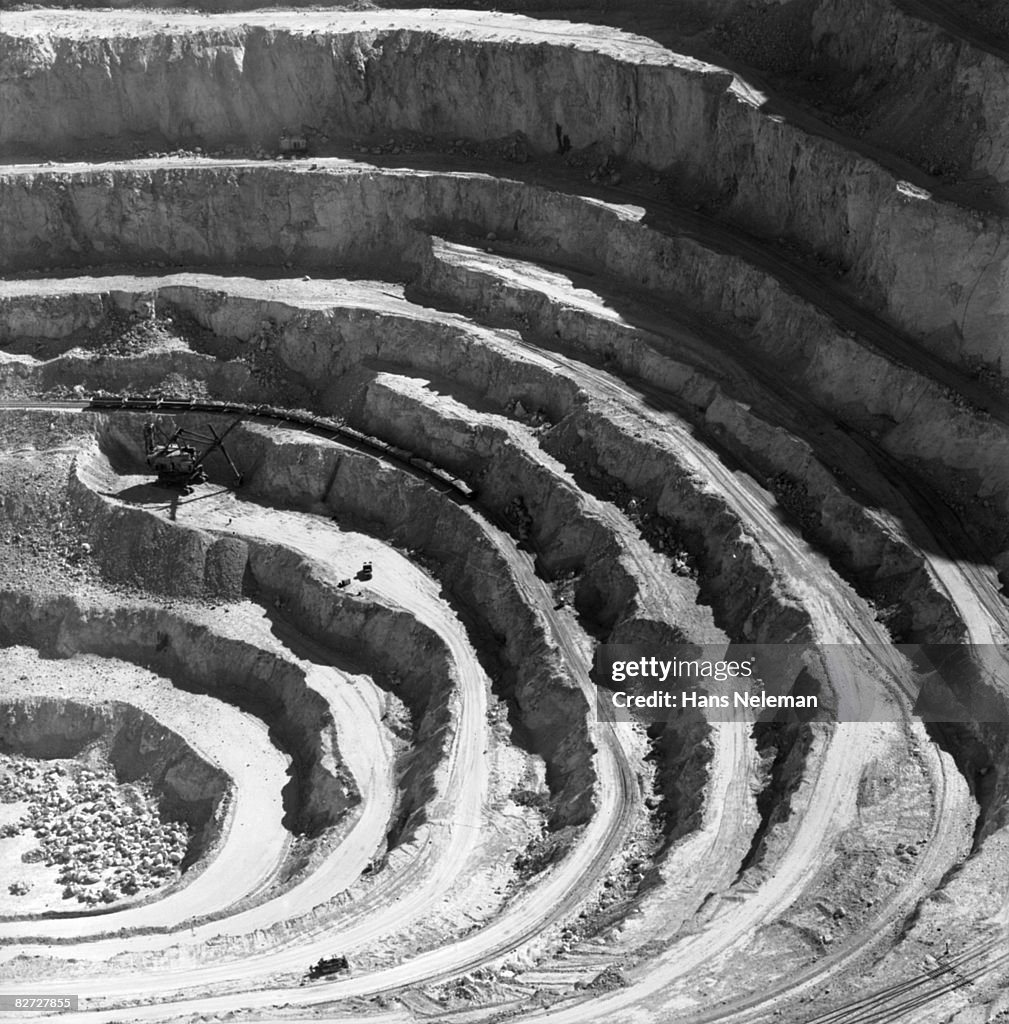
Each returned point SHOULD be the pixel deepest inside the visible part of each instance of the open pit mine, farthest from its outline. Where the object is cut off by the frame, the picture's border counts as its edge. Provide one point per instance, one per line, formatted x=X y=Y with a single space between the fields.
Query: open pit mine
x=373 y=377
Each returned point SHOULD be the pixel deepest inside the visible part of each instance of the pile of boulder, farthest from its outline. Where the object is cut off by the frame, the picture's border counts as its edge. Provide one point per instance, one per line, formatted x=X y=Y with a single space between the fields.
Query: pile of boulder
x=108 y=840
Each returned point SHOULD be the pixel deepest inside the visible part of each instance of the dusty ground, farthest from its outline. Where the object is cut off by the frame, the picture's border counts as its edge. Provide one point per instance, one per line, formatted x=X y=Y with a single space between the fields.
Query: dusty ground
x=708 y=323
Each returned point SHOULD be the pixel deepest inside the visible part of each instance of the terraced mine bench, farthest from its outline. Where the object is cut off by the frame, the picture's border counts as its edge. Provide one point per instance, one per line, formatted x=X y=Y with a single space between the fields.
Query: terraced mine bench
x=560 y=338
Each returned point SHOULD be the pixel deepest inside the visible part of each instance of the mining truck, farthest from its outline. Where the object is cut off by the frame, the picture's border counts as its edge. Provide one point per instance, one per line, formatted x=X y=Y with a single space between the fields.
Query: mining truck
x=327 y=966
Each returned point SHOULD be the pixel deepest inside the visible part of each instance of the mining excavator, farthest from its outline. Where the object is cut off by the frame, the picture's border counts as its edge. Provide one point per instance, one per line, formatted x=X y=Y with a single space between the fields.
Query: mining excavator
x=179 y=458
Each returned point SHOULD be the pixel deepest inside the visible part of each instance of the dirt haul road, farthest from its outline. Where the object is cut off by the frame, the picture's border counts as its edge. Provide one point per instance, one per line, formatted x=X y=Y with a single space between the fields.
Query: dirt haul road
x=754 y=506
x=835 y=783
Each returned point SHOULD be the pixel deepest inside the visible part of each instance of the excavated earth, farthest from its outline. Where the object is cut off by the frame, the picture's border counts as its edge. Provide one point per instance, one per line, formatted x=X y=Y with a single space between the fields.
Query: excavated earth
x=554 y=336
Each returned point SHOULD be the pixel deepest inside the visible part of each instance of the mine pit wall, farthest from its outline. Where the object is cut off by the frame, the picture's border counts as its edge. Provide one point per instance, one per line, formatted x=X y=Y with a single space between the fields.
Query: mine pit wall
x=787 y=332
x=195 y=658
x=188 y=788
x=51 y=317
x=245 y=84
x=782 y=748
x=368 y=218
x=135 y=547
x=387 y=502
x=980 y=751
x=72 y=315
x=869 y=549
x=914 y=416
x=960 y=91
x=138 y=549
x=401 y=654
x=300 y=477
x=682 y=750
x=737 y=578
x=667 y=112
x=737 y=581
x=298 y=481
x=168 y=216
x=563 y=529
x=565 y=533
x=134 y=374
x=976 y=732
x=871 y=553
x=376 y=498
x=919 y=419
x=320 y=346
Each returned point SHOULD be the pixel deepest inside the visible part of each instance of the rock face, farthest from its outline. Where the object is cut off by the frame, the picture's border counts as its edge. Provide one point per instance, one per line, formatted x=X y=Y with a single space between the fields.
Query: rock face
x=631 y=99
x=407 y=656
x=402 y=654
x=381 y=499
x=151 y=553
x=198 y=215
x=49 y=316
x=943 y=97
x=571 y=533
x=369 y=72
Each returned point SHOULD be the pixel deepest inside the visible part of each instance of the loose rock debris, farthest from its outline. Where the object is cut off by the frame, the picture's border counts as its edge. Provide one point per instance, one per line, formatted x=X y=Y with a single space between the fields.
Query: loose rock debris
x=107 y=840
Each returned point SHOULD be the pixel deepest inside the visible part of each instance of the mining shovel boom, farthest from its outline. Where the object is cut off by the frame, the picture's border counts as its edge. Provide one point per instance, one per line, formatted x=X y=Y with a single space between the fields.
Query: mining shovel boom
x=178 y=460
